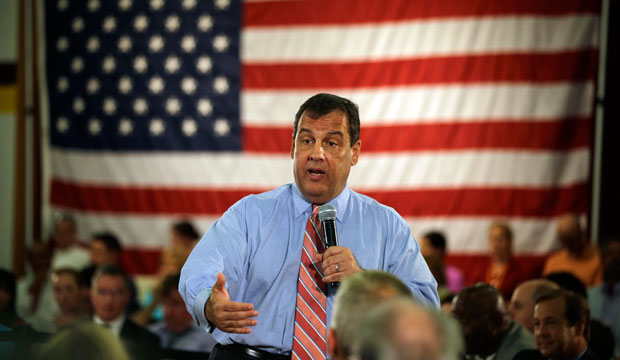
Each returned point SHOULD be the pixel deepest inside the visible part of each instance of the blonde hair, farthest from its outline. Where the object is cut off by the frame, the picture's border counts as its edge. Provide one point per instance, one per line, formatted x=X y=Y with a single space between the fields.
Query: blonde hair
x=89 y=340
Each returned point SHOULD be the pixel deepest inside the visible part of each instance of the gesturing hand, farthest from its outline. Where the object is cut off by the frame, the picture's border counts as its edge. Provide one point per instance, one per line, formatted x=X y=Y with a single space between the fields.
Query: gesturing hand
x=228 y=316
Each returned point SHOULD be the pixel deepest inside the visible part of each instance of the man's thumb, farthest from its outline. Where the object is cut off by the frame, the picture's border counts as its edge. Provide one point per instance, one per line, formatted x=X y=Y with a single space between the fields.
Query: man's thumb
x=220 y=283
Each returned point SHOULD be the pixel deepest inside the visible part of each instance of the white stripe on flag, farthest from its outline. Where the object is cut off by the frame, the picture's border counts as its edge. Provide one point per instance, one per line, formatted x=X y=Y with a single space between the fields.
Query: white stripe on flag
x=432 y=104
x=378 y=171
x=414 y=39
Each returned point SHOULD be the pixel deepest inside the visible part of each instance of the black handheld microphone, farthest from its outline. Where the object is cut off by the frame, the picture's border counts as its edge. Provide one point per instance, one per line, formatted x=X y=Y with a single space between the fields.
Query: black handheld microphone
x=327 y=215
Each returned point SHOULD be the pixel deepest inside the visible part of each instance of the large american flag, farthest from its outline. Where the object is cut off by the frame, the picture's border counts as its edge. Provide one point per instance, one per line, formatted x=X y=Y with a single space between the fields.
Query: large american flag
x=471 y=110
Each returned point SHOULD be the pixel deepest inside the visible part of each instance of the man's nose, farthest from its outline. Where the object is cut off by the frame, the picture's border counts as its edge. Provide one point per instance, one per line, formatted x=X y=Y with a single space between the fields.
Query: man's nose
x=317 y=152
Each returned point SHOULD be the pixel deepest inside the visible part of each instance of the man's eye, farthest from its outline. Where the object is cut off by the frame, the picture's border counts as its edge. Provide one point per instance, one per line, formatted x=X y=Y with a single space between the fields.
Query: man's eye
x=332 y=143
x=306 y=141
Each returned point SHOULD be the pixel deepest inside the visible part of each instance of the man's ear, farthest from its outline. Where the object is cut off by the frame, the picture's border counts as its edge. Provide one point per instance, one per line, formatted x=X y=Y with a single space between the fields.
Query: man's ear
x=293 y=147
x=332 y=345
x=355 y=151
x=580 y=328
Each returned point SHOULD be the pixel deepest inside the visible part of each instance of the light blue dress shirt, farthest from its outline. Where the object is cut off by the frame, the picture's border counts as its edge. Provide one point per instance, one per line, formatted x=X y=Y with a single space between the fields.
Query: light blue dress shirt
x=257 y=245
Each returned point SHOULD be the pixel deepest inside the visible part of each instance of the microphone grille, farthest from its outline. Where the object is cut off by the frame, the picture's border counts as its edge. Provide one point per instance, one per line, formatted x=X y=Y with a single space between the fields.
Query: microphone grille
x=327 y=212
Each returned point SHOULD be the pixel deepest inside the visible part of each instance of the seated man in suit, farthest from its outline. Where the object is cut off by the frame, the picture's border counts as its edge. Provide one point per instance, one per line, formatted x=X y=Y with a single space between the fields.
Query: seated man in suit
x=561 y=329
x=110 y=295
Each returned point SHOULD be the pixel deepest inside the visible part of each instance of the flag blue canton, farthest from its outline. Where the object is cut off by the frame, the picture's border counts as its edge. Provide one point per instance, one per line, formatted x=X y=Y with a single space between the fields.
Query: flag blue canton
x=144 y=75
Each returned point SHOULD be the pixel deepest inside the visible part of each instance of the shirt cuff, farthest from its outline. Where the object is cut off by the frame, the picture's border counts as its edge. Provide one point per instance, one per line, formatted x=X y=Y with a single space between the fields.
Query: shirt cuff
x=199 y=307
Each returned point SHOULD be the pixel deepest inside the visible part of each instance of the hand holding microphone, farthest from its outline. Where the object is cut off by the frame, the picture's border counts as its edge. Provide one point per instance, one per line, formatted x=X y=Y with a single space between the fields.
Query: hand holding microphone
x=337 y=261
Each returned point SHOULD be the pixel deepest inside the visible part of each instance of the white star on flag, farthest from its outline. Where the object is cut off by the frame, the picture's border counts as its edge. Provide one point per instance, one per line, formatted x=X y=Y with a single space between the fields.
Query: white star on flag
x=189 y=127
x=157 y=127
x=222 y=4
x=203 y=64
x=93 y=86
x=205 y=23
x=109 y=64
x=125 y=85
x=220 y=43
x=140 y=23
x=204 y=107
x=63 y=84
x=188 y=84
x=156 y=84
x=173 y=106
x=78 y=105
x=78 y=24
x=62 y=124
x=188 y=4
x=221 y=127
x=109 y=106
x=109 y=24
x=156 y=43
x=124 y=43
x=77 y=65
x=62 y=44
x=172 y=23
x=220 y=84
x=124 y=5
x=93 y=44
x=157 y=4
x=125 y=127
x=140 y=64
x=188 y=43
x=94 y=126
x=172 y=64
x=140 y=106
x=93 y=5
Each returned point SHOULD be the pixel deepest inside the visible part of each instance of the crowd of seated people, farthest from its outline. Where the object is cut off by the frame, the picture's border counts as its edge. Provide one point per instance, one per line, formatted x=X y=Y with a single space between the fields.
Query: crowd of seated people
x=568 y=309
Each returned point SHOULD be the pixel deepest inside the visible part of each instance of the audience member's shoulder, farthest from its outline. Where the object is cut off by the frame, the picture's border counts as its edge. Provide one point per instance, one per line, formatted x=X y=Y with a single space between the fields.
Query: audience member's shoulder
x=134 y=332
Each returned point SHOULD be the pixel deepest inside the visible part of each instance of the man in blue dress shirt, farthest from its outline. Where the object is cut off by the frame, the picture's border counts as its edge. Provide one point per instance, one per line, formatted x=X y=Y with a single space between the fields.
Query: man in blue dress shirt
x=240 y=281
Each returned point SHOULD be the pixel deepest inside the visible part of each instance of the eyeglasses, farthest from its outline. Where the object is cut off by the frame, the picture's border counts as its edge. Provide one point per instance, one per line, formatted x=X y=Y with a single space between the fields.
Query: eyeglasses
x=115 y=293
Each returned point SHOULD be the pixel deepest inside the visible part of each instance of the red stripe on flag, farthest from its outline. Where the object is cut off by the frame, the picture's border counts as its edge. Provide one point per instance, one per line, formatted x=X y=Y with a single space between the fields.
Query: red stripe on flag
x=507 y=134
x=140 y=261
x=532 y=68
x=326 y=12
x=515 y=201
x=486 y=201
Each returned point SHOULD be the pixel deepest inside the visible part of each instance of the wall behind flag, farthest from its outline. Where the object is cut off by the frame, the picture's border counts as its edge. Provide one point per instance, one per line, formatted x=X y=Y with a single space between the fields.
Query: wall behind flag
x=471 y=110
x=8 y=121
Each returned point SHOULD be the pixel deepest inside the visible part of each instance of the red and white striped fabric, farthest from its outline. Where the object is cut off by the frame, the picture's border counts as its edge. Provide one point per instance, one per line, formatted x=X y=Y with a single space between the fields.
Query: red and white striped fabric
x=471 y=111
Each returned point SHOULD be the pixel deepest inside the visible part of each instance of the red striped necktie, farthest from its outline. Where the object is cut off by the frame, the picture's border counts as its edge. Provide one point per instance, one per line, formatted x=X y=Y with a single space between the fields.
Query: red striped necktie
x=309 y=337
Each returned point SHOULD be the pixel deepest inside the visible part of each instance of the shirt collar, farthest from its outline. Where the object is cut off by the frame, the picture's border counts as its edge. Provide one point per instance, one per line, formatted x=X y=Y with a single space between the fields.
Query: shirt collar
x=115 y=325
x=302 y=206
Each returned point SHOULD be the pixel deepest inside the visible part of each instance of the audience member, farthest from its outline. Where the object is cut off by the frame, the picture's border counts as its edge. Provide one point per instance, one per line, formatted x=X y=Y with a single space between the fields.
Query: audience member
x=8 y=314
x=433 y=245
x=446 y=303
x=402 y=329
x=69 y=300
x=85 y=341
x=110 y=295
x=503 y=272
x=569 y=282
x=487 y=326
x=604 y=299
x=184 y=234
x=178 y=330
x=106 y=249
x=577 y=255
x=67 y=250
x=601 y=340
x=35 y=296
x=560 y=327
x=521 y=305
x=356 y=295
x=172 y=260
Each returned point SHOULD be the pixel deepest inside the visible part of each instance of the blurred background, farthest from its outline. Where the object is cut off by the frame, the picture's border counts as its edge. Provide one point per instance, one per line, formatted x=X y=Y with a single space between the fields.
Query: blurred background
x=128 y=117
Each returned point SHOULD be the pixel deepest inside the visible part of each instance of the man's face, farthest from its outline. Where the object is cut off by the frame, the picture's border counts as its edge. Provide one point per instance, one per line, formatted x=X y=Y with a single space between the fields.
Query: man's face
x=521 y=307
x=499 y=244
x=100 y=255
x=109 y=297
x=323 y=156
x=66 y=293
x=555 y=338
x=177 y=318
x=64 y=234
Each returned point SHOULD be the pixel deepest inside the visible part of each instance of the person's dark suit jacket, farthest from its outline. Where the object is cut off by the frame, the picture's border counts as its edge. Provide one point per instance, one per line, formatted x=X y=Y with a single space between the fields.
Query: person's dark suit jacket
x=536 y=355
x=139 y=342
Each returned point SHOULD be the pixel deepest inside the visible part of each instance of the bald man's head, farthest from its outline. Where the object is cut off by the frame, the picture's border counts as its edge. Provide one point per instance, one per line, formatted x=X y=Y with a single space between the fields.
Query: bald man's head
x=521 y=305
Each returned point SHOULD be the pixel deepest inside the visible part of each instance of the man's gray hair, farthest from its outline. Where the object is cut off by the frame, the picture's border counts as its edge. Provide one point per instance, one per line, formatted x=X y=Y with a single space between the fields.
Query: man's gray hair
x=356 y=296
x=427 y=335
